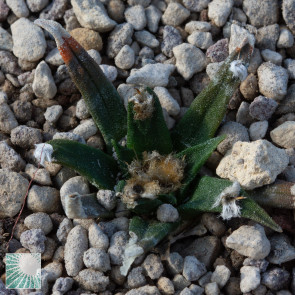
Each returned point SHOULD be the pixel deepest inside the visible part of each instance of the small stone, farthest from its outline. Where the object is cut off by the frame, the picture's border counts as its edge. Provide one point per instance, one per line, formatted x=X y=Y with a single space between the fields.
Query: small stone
x=43 y=199
x=153 y=266
x=219 y=11
x=175 y=263
x=33 y=240
x=5 y=40
x=18 y=7
x=213 y=68
x=221 y=275
x=193 y=269
x=218 y=52
x=36 y=5
x=167 y=101
x=196 y=6
x=194 y=25
x=147 y=290
x=288 y=14
x=250 y=278
x=255 y=61
x=116 y=10
x=171 y=38
x=180 y=282
x=243 y=115
x=86 y=129
x=152 y=75
x=92 y=15
x=287 y=105
x=284 y=134
x=4 y=10
x=249 y=87
x=257 y=130
x=95 y=55
x=275 y=278
x=165 y=286
x=167 y=213
x=135 y=15
x=76 y=245
x=189 y=60
x=266 y=37
x=54 y=270
x=136 y=278
x=39 y=220
x=273 y=81
x=89 y=39
x=262 y=108
x=92 y=280
x=233 y=286
x=28 y=40
x=153 y=16
x=212 y=289
x=97 y=259
x=53 y=113
x=125 y=58
x=249 y=241
x=25 y=137
x=69 y=135
x=234 y=132
x=22 y=110
x=213 y=224
x=55 y=11
x=82 y=110
x=117 y=246
x=8 y=63
x=146 y=38
x=107 y=198
x=289 y=64
x=63 y=230
x=62 y=285
x=109 y=71
x=175 y=14
x=286 y=39
x=9 y=158
x=201 y=40
x=272 y=56
x=7 y=119
x=237 y=36
x=144 y=3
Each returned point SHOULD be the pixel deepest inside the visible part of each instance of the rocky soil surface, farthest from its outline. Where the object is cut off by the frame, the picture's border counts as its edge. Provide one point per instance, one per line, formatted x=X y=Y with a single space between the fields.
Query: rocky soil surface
x=175 y=47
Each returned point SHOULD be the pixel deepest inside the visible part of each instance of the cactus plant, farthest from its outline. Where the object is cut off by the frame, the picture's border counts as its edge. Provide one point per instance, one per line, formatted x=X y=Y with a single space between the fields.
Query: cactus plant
x=153 y=167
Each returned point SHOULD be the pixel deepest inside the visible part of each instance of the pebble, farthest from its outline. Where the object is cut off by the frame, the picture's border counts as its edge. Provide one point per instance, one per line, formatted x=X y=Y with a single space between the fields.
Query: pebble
x=144 y=3
x=237 y=35
x=92 y=15
x=167 y=213
x=289 y=64
x=92 y=280
x=275 y=278
x=193 y=269
x=262 y=108
x=28 y=40
x=153 y=266
x=89 y=39
x=243 y=116
x=62 y=285
x=288 y=103
x=257 y=130
x=219 y=11
x=135 y=15
x=286 y=39
x=166 y=286
x=95 y=55
x=151 y=75
x=272 y=81
x=37 y=5
x=120 y=36
x=212 y=289
x=221 y=275
x=34 y=240
x=96 y=259
x=272 y=56
x=86 y=129
x=69 y=135
x=288 y=14
x=284 y=135
x=214 y=225
x=147 y=290
x=7 y=119
x=116 y=10
x=261 y=15
x=175 y=14
x=44 y=85
x=4 y=10
x=8 y=63
x=117 y=246
x=196 y=6
x=146 y=38
x=255 y=61
x=201 y=40
x=249 y=87
x=43 y=199
x=5 y=40
x=63 y=230
x=218 y=52
x=171 y=38
x=76 y=245
x=174 y=263
x=234 y=132
x=125 y=58
x=39 y=220
x=167 y=101
x=180 y=282
x=53 y=113
x=153 y=16
x=189 y=60
x=18 y=7
x=109 y=71
x=136 y=278
x=54 y=270
x=249 y=241
x=250 y=278
x=54 y=11
x=266 y=37
x=12 y=196
x=107 y=198
x=25 y=137
x=9 y=158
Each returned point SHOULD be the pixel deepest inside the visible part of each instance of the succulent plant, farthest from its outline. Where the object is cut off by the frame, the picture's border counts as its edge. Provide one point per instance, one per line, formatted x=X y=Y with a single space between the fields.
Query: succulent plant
x=153 y=167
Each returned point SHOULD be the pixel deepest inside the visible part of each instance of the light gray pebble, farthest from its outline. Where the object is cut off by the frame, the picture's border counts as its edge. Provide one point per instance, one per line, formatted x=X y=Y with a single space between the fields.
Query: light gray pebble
x=238 y=15
x=107 y=198
x=287 y=105
x=63 y=230
x=117 y=246
x=84 y=222
x=250 y=278
x=180 y=282
x=243 y=115
x=189 y=60
x=275 y=278
x=62 y=285
x=44 y=85
x=28 y=40
x=36 y=5
x=221 y=275
x=125 y=58
x=166 y=286
x=255 y=61
x=53 y=113
x=201 y=40
x=76 y=245
x=200 y=26
x=212 y=289
x=147 y=290
x=82 y=110
x=8 y=120
x=146 y=38
x=95 y=55
x=18 y=7
x=92 y=280
x=34 y=240
x=86 y=129
x=61 y=74
x=257 y=130
x=262 y=108
x=39 y=220
x=175 y=14
x=289 y=173
x=174 y=263
x=136 y=278
x=97 y=259
x=234 y=132
x=193 y=269
x=167 y=213
x=43 y=199
x=288 y=14
x=205 y=279
x=283 y=135
x=92 y=15
x=120 y=36
x=110 y=72
x=63 y=175
x=70 y=136
x=135 y=15
x=286 y=39
x=219 y=11
x=289 y=64
x=25 y=137
x=12 y=196
x=153 y=266
x=196 y=6
x=272 y=56
x=8 y=63
x=167 y=101
x=5 y=40
x=54 y=58
x=267 y=37
x=151 y=75
x=9 y=158
x=146 y=52
x=153 y=16
x=186 y=291
x=196 y=290
x=144 y=3
x=171 y=38
x=54 y=270
x=97 y=238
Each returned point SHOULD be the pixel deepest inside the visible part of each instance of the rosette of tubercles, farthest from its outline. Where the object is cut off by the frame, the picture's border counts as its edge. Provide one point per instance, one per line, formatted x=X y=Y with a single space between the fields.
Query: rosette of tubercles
x=154 y=166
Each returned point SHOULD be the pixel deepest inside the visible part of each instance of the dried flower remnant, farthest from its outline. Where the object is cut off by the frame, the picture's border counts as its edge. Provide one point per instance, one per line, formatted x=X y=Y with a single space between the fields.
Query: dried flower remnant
x=43 y=152
x=143 y=104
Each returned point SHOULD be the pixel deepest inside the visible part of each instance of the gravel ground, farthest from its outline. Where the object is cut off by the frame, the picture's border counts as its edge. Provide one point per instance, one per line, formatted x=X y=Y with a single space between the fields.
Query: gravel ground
x=175 y=47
